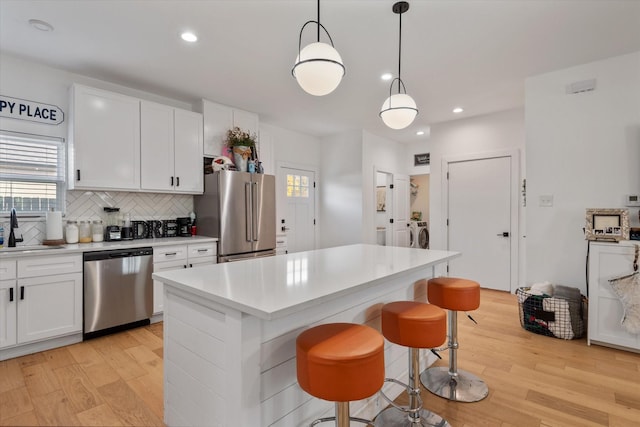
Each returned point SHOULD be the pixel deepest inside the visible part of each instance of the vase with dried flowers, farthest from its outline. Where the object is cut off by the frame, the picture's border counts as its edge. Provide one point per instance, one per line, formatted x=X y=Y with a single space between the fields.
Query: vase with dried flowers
x=241 y=144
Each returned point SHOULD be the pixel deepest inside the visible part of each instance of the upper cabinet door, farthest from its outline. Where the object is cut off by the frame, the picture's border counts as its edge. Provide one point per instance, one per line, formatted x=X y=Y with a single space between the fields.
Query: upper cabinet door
x=104 y=140
x=157 y=147
x=188 y=152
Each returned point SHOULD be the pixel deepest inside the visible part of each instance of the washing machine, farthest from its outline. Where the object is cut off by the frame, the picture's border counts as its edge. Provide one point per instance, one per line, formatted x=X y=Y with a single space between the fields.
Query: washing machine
x=419 y=235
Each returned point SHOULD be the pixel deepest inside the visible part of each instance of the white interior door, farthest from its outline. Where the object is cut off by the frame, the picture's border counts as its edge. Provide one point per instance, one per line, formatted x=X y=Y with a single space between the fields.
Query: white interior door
x=297 y=216
x=401 y=233
x=480 y=220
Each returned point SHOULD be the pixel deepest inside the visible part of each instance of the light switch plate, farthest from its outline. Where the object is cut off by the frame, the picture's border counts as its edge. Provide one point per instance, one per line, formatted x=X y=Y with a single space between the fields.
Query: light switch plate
x=546 y=201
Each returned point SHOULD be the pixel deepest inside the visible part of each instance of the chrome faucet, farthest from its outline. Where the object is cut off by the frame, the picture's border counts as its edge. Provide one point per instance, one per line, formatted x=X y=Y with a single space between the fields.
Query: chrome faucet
x=13 y=224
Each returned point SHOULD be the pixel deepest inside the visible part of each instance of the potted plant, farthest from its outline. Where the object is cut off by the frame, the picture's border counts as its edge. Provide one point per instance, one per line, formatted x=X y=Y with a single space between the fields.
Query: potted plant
x=241 y=144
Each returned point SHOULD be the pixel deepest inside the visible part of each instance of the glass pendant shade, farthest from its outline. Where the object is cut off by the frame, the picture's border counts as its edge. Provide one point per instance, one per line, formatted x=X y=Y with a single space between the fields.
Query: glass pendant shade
x=318 y=69
x=398 y=111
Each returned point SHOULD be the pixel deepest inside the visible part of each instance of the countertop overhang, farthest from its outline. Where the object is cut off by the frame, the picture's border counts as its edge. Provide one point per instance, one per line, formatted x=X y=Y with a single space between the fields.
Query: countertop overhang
x=273 y=287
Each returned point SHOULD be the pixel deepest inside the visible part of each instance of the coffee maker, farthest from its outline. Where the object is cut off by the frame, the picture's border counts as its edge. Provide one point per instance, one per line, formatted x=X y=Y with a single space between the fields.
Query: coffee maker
x=184 y=226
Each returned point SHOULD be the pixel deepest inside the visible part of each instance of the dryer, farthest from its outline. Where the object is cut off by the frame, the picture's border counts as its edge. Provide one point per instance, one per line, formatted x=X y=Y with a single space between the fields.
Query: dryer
x=419 y=235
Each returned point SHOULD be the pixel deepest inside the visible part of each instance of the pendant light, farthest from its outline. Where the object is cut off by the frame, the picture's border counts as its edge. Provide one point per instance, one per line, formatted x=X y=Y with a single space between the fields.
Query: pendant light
x=399 y=110
x=318 y=68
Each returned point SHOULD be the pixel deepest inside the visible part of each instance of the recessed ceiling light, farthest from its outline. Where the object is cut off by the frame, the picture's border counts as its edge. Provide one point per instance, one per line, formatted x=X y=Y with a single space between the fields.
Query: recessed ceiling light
x=386 y=76
x=189 y=37
x=458 y=110
x=40 y=25
x=420 y=133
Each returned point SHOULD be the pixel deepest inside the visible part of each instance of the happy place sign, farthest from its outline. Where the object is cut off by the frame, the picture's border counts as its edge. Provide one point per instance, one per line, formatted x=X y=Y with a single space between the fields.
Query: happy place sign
x=22 y=109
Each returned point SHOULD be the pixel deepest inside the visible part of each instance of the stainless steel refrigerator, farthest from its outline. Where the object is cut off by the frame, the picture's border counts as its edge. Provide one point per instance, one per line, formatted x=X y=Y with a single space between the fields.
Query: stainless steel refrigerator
x=239 y=209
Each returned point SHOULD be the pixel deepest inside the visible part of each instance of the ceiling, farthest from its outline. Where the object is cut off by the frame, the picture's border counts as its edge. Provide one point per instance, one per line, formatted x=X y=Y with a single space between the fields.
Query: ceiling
x=474 y=54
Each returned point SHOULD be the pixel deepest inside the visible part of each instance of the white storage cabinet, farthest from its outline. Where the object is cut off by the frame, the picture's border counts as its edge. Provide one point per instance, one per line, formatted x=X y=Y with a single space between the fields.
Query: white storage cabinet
x=171 y=149
x=104 y=140
x=218 y=119
x=607 y=261
x=175 y=257
x=8 y=303
x=41 y=298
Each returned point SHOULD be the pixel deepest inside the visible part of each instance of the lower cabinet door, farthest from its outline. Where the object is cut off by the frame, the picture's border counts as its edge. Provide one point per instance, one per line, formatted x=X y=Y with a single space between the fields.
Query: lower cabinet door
x=8 y=304
x=49 y=306
x=158 y=296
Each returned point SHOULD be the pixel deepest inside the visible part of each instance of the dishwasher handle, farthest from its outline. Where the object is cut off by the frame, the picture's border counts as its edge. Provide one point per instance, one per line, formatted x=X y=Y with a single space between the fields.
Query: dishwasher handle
x=117 y=253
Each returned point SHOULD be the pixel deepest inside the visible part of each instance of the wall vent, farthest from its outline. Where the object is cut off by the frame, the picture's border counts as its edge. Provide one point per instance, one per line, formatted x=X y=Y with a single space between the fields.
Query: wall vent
x=581 y=86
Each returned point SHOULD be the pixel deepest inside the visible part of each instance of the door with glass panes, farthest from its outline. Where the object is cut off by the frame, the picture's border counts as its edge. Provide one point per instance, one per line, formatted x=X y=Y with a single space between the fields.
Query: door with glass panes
x=297 y=208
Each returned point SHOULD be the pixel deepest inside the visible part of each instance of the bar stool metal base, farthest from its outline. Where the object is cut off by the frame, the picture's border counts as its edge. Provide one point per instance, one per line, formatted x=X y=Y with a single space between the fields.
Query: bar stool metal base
x=464 y=387
x=392 y=417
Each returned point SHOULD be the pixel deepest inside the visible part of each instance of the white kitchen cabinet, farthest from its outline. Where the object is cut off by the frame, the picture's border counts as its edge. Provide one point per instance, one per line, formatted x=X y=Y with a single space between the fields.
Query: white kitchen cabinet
x=171 y=149
x=167 y=258
x=49 y=306
x=44 y=300
x=8 y=303
x=104 y=140
x=607 y=261
x=218 y=119
x=7 y=313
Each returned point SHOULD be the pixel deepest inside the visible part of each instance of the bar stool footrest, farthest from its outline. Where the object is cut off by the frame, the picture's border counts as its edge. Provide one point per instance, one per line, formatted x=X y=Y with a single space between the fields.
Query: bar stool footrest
x=404 y=409
x=327 y=419
x=391 y=417
x=463 y=387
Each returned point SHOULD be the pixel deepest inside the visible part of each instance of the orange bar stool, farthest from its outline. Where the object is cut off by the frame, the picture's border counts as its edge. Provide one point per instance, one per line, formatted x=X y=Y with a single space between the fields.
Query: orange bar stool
x=454 y=294
x=415 y=325
x=340 y=362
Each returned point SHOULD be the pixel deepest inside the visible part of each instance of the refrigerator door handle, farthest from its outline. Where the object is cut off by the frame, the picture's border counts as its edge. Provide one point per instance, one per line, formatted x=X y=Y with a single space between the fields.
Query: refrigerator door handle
x=248 y=211
x=255 y=197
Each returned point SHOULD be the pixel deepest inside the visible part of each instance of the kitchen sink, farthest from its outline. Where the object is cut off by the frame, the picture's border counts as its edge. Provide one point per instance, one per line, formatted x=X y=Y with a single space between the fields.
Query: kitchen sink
x=29 y=248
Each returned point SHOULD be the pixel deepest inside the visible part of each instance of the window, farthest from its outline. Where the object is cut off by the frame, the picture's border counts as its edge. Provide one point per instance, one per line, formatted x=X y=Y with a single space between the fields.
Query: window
x=32 y=178
x=297 y=186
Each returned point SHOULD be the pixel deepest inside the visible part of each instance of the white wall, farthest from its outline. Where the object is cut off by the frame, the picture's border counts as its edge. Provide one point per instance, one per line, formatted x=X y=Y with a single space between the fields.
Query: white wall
x=341 y=197
x=475 y=135
x=584 y=150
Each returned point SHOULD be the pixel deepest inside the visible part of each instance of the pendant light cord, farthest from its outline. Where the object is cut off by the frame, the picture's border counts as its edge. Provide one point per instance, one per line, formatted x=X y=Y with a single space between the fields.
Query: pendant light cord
x=318 y=20
x=399 y=51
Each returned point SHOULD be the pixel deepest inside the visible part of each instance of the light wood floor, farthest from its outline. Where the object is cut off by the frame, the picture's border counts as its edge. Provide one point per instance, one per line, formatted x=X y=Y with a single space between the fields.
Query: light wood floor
x=533 y=380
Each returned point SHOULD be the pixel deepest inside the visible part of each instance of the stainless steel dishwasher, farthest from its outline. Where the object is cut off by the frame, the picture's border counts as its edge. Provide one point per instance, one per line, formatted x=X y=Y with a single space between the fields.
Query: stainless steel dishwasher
x=118 y=290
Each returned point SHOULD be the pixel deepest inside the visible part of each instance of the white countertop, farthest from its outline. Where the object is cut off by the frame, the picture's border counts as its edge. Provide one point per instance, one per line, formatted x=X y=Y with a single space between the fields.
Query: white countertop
x=6 y=253
x=276 y=286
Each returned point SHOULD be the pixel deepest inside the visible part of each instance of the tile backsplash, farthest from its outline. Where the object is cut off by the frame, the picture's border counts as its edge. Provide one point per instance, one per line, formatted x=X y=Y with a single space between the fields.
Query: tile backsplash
x=89 y=205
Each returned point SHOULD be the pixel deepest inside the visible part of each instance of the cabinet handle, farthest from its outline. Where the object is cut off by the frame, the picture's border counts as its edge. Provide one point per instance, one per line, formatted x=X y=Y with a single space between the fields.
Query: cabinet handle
x=190 y=265
x=171 y=254
x=10 y=294
x=172 y=181
x=202 y=250
x=21 y=292
x=184 y=266
x=77 y=174
x=177 y=181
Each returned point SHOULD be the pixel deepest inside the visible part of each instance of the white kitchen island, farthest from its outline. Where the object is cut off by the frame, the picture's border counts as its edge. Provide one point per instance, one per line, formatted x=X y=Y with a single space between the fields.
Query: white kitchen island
x=230 y=329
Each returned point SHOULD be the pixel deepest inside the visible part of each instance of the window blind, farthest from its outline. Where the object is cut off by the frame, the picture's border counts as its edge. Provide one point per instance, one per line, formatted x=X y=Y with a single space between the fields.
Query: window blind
x=32 y=172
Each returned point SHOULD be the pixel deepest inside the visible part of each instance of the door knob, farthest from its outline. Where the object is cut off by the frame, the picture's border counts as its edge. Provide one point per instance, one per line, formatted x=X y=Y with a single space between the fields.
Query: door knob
x=503 y=234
